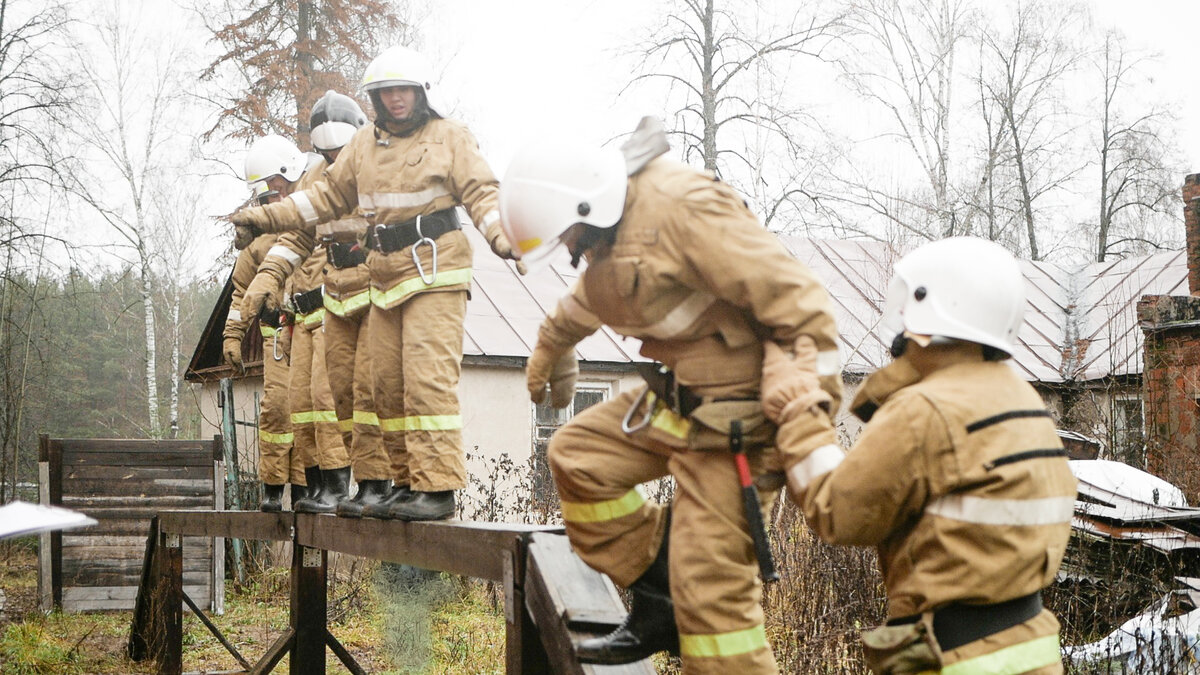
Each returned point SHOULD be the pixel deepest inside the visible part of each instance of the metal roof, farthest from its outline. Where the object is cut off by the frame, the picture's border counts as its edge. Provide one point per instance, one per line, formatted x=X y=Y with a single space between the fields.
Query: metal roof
x=1079 y=323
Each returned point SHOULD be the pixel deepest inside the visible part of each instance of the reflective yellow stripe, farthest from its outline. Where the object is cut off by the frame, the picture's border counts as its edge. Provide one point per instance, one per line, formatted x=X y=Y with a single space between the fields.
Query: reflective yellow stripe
x=325 y=416
x=406 y=288
x=312 y=319
x=1019 y=658
x=422 y=423
x=350 y=304
x=724 y=644
x=281 y=439
x=267 y=331
x=302 y=417
x=345 y=425
x=667 y=420
x=366 y=417
x=596 y=512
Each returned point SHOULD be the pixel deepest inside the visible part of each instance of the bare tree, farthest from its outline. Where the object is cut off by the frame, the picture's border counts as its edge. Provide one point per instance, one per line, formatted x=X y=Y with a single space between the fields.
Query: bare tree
x=280 y=56
x=134 y=85
x=1138 y=175
x=1024 y=71
x=725 y=65
x=903 y=59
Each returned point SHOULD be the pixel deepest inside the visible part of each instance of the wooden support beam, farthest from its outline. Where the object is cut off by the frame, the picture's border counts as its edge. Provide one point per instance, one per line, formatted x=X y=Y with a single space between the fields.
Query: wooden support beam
x=140 y=628
x=458 y=547
x=212 y=628
x=239 y=524
x=168 y=608
x=308 y=611
x=343 y=655
x=275 y=653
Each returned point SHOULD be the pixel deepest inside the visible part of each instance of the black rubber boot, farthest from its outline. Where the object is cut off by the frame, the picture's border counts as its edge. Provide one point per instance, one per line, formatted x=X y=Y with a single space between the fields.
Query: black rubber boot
x=649 y=627
x=335 y=485
x=272 y=498
x=298 y=492
x=312 y=480
x=382 y=508
x=424 y=506
x=370 y=491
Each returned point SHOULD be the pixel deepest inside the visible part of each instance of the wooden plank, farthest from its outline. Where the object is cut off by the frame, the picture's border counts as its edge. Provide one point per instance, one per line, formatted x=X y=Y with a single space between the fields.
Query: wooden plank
x=121 y=473
x=118 y=507
x=45 y=590
x=308 y=610
x=53 y=453
x=218 y=543
x=116 y=548
x=114 y=598
x=559 y=586
x=80 y=460
x=135 y=488
x=138 y=645
x=137 y=445
x=196 y=575
x=169 y=610
x=458 y=547
x=240 y=524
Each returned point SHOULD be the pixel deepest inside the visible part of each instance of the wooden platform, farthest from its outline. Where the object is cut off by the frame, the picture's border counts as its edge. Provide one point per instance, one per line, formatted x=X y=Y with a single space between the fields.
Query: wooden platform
x=551 y=599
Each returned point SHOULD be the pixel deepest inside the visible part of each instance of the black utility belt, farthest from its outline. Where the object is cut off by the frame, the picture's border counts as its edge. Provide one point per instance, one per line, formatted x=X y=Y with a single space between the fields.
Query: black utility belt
x=389 y=238
x=344 y=255
x=309 y=302
x=957 y=624
x=275 y=318
x=678 y=397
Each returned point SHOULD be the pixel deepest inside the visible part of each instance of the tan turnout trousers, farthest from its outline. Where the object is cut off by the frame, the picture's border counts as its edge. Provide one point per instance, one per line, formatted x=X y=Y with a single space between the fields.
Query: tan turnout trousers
x=416 y=350
x=714 y=573
x=314 y=422
x=277 y=464
x=347 y=357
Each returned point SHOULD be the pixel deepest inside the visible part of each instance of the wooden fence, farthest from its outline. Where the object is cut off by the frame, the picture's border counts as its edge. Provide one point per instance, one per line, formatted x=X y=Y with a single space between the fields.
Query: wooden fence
x=123 y=484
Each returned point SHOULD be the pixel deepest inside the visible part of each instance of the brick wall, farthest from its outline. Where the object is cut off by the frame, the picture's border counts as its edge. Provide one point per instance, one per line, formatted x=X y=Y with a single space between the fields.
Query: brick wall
x=1171 y=367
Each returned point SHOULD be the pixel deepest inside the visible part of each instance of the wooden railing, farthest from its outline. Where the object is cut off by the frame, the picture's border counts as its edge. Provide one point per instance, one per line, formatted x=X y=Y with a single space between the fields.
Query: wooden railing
x=551 y=598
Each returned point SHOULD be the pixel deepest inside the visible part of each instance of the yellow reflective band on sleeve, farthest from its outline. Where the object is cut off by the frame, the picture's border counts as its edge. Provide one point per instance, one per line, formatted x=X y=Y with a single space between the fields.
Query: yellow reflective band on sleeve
x=267 y=331
x=366 y=417
x=724 y=644
x=303 y=417
x=312 y=319
x=1019 y=658
x=402 y=290
x=422 y=423
x=598 y=512
x=279 y=439
x=329 y=416
x=350 y=304
x=345 y=425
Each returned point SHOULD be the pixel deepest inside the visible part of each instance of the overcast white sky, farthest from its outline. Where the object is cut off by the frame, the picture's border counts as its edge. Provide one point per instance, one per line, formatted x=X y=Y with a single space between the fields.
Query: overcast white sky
x=515 y=69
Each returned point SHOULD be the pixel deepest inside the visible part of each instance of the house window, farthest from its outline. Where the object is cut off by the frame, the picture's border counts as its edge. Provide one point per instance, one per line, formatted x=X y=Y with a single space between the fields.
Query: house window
x=1128 y=439
x=547 y=420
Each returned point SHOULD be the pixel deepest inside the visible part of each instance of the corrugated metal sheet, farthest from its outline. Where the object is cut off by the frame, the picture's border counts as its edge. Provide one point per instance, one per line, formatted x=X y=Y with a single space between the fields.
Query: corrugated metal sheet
x=1078 y=324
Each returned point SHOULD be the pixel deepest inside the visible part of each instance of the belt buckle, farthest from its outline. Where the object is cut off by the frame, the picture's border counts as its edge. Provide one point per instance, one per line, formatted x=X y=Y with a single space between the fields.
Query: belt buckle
x=375 y=237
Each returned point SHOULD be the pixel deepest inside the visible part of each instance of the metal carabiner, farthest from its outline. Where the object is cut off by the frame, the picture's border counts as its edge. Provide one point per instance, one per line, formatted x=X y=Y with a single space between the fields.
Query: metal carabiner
x=417 y=260
x=275 y=345
x=645 y=421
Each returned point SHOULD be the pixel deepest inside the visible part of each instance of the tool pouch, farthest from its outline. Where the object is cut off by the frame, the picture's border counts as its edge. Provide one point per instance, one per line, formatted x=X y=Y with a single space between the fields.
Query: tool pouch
x=711 y=424
x=904 y=649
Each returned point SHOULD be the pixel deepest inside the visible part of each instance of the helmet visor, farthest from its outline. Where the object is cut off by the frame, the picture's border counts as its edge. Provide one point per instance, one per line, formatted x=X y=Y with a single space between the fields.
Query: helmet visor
x=891 y=322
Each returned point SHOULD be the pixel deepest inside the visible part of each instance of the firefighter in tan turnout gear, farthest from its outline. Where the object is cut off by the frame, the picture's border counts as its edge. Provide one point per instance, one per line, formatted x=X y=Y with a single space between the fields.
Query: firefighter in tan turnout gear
x=273 y=163
x=302 y=259
x=958 y=478
x=676 y=259
x=407 y=174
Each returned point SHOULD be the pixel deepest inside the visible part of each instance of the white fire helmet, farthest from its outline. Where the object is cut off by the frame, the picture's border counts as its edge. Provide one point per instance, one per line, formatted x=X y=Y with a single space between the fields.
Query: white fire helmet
x=334 y=120
x=274 y=155
x=551 y=186
x=398 y=66
x=963 y=288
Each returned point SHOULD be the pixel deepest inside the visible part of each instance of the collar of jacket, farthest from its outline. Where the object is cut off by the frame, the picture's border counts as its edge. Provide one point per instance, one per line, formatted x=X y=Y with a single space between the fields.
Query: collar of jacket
x=881 y=384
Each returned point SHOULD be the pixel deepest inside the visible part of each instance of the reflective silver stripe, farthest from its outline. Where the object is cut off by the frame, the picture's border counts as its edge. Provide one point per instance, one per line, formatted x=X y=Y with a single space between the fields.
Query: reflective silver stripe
x=981 y=511
x=305 y=207
x=401 y=200
x=570 y=308
x=676 y=321
x=818 y=463
x=491 y=217
x=234 y=315
x=281 y=251
x=829 y=362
